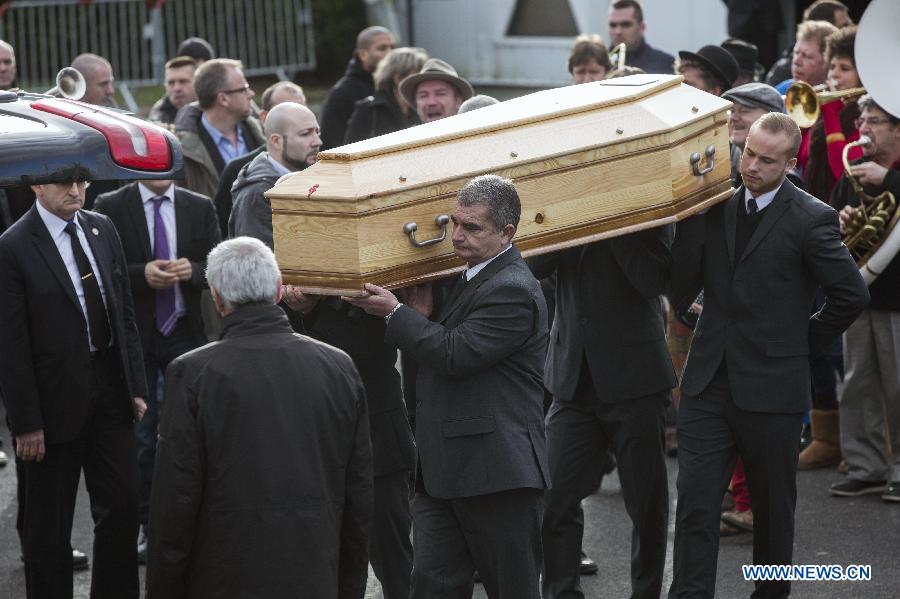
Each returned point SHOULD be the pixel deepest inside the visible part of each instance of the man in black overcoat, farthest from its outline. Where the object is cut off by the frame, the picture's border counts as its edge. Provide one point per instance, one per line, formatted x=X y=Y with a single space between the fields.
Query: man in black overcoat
x=263 y=480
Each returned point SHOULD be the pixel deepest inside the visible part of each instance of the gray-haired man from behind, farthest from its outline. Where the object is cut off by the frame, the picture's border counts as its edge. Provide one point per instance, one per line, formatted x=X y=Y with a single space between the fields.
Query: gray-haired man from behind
x=264 y=452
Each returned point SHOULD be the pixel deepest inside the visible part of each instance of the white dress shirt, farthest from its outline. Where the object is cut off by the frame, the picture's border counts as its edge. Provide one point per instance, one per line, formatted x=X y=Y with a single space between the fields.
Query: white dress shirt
x=57 y=229
x=167 y=212
x=762 y=200
x=471 y=272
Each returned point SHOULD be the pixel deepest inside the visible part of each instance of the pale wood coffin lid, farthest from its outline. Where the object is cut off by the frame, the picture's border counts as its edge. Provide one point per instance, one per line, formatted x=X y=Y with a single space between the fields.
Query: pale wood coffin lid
x=360 y=177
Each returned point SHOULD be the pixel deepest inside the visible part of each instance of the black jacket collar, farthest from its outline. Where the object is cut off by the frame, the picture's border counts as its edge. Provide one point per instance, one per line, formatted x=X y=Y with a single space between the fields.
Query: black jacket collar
x=256 y=319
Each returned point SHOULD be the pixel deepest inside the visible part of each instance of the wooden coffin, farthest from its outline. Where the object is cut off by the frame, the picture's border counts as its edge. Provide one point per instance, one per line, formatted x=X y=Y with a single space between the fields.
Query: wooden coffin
x=589 y=161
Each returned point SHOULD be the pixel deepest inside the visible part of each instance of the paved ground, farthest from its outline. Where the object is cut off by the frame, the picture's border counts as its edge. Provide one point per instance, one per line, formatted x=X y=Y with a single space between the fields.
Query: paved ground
x=829 y=531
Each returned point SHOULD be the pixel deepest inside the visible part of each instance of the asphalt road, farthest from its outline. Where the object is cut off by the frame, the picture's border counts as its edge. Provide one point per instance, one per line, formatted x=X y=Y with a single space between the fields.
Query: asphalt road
x=828 y=531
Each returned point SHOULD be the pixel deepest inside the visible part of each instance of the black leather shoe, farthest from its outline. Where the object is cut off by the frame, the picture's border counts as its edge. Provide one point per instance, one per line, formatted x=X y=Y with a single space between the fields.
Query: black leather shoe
x=142 y=547
x=587 y=567
x=852 y=487
x=892 y=493
x=805 y=436
x=79 y=560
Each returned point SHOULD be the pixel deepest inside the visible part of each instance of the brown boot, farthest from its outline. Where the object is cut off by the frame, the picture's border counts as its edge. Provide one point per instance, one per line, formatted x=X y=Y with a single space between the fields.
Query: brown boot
x=825 y=449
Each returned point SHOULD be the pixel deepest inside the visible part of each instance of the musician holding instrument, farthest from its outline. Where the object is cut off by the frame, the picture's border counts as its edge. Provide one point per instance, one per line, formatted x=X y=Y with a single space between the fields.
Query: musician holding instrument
x=838 y=112
x=831 y=126
x=870 y=403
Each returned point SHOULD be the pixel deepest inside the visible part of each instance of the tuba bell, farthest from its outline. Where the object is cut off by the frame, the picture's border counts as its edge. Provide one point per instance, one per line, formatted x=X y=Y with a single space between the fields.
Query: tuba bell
x=872 y=234
x=70 y=84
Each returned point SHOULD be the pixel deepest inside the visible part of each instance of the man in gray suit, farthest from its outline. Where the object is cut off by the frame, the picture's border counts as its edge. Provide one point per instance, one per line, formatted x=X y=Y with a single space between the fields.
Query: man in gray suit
x=609 y=370
x=482 y=466
x=758 y=257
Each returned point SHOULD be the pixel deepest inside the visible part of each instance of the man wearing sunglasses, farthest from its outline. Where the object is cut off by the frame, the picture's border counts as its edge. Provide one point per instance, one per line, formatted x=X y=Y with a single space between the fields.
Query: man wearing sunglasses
x=218 y=127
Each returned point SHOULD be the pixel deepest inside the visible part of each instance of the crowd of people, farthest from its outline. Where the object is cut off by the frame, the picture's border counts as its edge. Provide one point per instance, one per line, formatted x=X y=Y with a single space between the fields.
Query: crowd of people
x=236 y=457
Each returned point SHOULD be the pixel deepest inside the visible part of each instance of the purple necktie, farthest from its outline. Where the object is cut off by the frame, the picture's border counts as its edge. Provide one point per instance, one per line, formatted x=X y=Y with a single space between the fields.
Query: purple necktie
x=165 y=298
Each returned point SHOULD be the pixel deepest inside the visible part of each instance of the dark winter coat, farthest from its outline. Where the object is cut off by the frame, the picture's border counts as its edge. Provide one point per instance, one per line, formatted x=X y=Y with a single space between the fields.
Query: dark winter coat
x=251 y=213
x=355 y=85
x=263 y=480
x=377 y=115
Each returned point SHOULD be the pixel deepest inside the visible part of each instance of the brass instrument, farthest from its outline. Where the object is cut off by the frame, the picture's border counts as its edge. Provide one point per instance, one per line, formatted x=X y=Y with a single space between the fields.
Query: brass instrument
x=617 y=56
x=804 y=102
x=865 y=231
x=70 y=84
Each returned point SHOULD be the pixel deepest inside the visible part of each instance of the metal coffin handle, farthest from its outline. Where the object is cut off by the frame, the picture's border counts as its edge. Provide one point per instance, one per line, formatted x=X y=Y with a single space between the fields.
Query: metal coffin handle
x=710 y=160
x=410 y=229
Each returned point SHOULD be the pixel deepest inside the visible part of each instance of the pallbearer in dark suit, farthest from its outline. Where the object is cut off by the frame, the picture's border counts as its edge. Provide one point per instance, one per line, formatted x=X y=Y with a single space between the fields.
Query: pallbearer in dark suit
x=609 y=370
x=759 y=258
x=483 y=469
x=73 y=383
x=166 y=233
x=393 y=449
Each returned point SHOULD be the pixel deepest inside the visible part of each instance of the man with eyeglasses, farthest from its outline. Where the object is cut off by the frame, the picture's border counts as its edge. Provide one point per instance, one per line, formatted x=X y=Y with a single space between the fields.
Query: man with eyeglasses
x=73 y=384
x=218 y=127
x=870 y=401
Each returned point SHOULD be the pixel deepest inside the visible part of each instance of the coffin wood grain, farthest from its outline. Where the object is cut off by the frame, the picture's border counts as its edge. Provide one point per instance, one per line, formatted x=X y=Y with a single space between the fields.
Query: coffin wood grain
x=596 y=164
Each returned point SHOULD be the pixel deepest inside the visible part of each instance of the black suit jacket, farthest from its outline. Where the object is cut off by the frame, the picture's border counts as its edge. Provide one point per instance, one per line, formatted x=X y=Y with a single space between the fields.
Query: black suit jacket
x=197 y=232
x=609 y=312
x=756 y=306
x=362 y=337
x=47 y=377
x=479 y=410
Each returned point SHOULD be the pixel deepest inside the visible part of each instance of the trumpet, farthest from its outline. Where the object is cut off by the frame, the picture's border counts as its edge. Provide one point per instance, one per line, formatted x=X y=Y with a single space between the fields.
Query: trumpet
x=804 y=103
x=617 y=56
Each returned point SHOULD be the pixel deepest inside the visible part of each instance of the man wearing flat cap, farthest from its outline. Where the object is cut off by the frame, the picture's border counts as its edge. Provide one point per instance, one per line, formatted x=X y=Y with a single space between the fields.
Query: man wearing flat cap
x=747 y=57
x=711 y=69
x=436 y=91
x=751 y=101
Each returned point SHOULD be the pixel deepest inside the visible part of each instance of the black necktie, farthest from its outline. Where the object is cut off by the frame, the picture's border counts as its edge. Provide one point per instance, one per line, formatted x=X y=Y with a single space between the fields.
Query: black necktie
x=752 y=208
x=96 y=311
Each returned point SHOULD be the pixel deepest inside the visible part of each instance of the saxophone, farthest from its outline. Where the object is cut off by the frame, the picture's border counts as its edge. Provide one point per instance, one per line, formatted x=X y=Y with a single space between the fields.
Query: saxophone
x=867 y=228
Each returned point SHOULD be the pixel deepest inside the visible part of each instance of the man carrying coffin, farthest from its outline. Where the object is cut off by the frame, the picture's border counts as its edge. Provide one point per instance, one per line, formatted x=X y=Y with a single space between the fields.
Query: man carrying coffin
x=482 y=465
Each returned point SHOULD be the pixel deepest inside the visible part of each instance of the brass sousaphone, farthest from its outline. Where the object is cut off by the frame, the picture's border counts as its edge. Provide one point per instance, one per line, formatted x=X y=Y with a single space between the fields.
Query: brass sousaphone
x=872 y=235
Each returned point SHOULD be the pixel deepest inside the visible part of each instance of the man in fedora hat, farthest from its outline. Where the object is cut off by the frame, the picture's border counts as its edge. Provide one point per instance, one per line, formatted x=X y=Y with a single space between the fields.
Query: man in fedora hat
x=436 y=91
x=711 y=68
x=747 y=57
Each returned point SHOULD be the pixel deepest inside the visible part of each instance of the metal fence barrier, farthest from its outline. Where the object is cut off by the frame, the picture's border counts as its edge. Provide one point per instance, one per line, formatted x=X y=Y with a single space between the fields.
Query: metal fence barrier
x=270 y=37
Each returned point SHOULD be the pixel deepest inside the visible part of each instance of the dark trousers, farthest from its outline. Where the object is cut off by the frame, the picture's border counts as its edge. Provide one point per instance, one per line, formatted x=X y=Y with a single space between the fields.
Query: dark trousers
x=105 y=450
x=497 y=534
x=579 y=433
x=711 y=432
x=390 y=549
x=162 y=351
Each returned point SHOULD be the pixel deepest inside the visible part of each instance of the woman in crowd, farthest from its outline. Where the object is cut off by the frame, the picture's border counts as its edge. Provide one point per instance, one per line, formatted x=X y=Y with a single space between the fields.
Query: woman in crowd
x=589 y=59
x=386 y=111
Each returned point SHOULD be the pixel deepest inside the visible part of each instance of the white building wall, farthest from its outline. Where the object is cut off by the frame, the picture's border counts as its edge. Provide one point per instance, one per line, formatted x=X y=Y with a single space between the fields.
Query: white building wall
x=470 y=35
